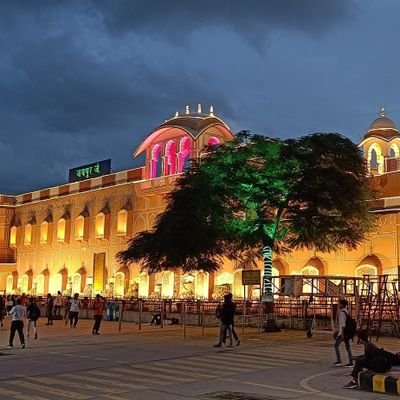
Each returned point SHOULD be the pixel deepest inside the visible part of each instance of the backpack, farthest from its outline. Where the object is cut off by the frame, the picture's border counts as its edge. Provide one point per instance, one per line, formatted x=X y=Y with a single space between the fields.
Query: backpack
x=35 y=313
x=351 y=326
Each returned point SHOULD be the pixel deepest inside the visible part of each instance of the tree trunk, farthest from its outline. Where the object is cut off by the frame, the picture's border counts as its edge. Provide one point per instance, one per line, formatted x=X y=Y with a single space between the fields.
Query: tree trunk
x=268 y=293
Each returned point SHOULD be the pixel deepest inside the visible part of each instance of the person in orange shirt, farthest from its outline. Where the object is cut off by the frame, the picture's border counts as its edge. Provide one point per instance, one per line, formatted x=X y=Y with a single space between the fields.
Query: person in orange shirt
x=98 y=307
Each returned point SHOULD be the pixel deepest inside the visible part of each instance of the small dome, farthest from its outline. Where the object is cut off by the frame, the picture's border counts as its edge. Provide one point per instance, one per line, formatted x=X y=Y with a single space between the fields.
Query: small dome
x=382 y=123
x=382 y=127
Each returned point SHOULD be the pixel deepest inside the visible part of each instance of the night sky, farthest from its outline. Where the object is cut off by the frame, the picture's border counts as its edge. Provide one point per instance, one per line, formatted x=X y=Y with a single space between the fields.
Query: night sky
x=82 y=81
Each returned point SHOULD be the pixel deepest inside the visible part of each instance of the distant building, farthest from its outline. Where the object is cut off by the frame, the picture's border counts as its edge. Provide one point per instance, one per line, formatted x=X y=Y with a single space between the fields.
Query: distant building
x=66 y=237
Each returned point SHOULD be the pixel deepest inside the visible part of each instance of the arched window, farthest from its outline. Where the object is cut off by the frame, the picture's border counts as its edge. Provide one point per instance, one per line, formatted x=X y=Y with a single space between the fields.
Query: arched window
x=100 y=225
x=310 y=285
x=394 y=151
x=156 y=162
x=44 y=232
x=184 y=154
x=170 y=158
x=61 y=230
x=373 y=163
x=213 y=141
x=28 y=234
x=13 y=236
x=122 y=222
x=375 y=159
x=79 y=228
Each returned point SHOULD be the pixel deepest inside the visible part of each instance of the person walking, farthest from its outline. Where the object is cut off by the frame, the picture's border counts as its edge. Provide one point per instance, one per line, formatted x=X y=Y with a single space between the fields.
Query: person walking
x=74 y=311
x=340 y=334
x=67 y=305
x=98 y=307
x=33 y=314
x=227 y=315
x=57 y=305
x=17 y=324
x=2 y=310
x=49 y=309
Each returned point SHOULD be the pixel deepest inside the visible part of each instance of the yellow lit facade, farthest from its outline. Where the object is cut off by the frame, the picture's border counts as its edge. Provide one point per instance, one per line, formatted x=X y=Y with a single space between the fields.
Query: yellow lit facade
x=50 y=239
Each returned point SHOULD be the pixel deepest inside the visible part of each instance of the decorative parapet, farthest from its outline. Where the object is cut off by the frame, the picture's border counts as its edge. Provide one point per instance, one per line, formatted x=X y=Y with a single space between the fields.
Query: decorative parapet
x=104 y=181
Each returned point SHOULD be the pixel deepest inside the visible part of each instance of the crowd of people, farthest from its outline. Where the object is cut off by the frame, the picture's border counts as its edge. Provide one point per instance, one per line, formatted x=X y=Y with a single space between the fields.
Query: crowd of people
x=21 y=308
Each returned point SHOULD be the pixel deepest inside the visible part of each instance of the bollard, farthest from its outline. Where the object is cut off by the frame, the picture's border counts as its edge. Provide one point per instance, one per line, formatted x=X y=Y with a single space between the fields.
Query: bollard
x=260 y=317
x=121 y=312
x=184 y=320
x=140 y=314
x=244 y=314
x=202 y=319
x=162 y=307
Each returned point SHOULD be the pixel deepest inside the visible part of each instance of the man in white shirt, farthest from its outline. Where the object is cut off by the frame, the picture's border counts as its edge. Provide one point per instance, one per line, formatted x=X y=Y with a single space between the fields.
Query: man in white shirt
x=341 y=336
x=17 y=324
x=74 y=310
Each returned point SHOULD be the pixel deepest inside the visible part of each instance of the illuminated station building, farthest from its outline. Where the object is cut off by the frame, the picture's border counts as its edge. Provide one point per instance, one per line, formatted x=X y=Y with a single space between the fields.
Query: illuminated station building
x=66 y=237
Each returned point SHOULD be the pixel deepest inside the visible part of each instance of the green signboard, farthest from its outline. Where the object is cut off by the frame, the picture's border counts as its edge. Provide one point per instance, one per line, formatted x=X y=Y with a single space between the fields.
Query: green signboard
x=90 y=171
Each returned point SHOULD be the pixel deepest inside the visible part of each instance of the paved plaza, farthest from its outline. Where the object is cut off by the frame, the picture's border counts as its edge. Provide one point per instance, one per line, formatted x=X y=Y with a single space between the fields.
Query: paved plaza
x=158 y=363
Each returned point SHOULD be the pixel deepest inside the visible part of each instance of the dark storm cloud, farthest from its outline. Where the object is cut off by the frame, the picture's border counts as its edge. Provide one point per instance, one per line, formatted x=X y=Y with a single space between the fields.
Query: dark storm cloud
x=87 y=80
x=248 y=18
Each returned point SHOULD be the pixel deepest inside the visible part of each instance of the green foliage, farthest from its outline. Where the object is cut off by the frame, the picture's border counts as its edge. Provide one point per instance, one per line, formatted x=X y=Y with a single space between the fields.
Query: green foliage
x=253 y=191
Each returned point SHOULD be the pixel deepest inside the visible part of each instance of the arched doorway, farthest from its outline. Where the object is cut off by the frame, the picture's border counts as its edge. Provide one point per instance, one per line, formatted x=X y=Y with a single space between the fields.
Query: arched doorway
x=42 y=282
x=167 y=285
x=144 y=284
x=55 y=283
x=9 y=284
x=223 y=284
x=76 y=283
x=121 y=281
x=24 y=284
x=310 y=285
x=201 y=285
x=40 y=285
x=119 y=284
x=237 y=285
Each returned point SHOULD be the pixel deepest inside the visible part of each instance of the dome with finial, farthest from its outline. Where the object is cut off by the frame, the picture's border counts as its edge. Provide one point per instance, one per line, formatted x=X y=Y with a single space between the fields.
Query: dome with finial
x=382 y=127
x=190 y=123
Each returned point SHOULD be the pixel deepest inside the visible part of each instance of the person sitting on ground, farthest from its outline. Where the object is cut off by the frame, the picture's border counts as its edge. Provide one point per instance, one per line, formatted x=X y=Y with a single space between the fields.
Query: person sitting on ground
x=375 y=359
x=156 y=319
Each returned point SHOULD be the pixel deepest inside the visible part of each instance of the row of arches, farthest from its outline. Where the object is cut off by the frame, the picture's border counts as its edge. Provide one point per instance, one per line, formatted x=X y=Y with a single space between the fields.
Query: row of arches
x=44 y=283
x=63 y=228
x=173 y=157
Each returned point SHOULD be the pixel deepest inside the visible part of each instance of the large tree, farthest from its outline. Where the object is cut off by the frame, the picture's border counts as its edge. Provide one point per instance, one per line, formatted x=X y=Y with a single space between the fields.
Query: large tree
x=254 y=196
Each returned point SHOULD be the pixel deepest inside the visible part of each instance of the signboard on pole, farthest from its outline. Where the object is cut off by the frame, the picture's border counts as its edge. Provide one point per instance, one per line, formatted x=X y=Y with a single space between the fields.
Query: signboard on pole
x=251 y=277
